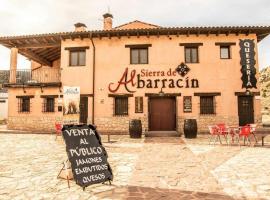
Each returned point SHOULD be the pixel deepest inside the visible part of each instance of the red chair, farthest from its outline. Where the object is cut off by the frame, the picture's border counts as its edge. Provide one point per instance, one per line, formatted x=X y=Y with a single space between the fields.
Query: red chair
x=58 y=129
x=223 y=130
x=253 y=131
x=245 y=132
x=214 y=134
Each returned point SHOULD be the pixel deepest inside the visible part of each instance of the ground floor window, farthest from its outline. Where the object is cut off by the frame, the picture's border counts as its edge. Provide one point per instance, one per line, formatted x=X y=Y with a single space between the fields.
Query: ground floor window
x=120 y=106
x=48 y=104
x=138 y=104
x=24 y=104
x=207 y=105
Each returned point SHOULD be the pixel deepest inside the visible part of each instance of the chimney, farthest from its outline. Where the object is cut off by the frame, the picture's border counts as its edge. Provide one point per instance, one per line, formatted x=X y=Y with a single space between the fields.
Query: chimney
x=107 y=22
x=80 y=27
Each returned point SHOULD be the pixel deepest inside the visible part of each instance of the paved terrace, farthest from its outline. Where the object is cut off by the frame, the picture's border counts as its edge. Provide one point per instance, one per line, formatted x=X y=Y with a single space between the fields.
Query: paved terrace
x=147 y=168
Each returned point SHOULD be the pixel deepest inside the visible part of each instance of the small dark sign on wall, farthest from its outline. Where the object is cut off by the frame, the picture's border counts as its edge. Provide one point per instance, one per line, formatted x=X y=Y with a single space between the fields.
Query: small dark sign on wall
x=86 y=154
x=187 y=104
x=247 y=54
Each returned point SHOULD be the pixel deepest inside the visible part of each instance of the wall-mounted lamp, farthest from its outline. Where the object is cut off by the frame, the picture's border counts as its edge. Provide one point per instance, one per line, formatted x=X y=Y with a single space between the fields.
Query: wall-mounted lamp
x=248 y=92
x=161 y=93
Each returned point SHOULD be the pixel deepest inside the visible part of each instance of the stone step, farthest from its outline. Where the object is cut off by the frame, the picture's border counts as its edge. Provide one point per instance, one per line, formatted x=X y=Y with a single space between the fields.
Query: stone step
x=162 y=134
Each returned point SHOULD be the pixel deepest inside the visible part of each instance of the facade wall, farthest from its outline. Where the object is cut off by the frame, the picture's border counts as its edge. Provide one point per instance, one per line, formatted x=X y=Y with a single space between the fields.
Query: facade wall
x=35 y=120
x=165 y=54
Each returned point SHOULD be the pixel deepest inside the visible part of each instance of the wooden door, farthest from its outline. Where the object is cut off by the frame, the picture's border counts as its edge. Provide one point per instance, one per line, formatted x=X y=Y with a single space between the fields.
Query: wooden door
x=162 y=114
x=245 y=110
x=83 y=109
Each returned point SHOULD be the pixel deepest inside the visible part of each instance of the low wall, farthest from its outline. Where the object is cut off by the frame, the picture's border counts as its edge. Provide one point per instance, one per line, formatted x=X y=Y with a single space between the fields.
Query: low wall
x=34 y=124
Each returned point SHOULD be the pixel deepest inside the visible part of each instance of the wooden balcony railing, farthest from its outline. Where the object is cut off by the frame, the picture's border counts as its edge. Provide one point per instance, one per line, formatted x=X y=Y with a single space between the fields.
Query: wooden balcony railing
x=29 y=76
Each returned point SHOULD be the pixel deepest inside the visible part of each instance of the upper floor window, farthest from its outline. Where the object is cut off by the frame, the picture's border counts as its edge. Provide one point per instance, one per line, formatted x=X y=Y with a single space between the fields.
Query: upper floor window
x=191 y=52
x=139 y=53
x=225 y=52
x=225 y=49
x=77 y=56
x=191 y=55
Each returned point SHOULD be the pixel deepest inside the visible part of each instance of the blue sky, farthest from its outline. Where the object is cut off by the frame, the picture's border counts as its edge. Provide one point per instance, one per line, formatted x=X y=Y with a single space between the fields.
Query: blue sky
x=44 y=16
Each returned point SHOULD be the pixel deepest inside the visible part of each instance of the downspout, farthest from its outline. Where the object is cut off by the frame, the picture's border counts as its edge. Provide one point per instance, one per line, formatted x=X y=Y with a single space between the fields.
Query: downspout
x=94 y=69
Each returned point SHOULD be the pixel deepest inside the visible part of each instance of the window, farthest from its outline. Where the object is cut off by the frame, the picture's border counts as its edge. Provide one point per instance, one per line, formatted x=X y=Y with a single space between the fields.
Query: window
x=77 y=58
x=48 y=104
x=121 y=106
x=225 y=52
x=207 y=105
x=24 y=104
x=191 y=55
x=139 y=56
x=138 y=104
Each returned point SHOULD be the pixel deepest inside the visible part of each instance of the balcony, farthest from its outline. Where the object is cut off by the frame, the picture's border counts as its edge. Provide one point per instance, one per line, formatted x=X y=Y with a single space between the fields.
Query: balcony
x=32 y=77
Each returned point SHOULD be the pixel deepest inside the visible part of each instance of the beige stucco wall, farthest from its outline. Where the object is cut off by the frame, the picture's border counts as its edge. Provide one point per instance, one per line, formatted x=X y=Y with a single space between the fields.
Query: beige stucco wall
x=112 y=58
x=214 y=74
x=35 y=120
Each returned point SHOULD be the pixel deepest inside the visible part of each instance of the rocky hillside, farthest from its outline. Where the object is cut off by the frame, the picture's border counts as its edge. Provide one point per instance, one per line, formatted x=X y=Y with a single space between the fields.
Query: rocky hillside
x=265 y=94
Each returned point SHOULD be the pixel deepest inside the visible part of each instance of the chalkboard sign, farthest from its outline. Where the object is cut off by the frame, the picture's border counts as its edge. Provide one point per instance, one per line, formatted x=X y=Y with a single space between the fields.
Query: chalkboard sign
x=86 y=154
x=187 y=104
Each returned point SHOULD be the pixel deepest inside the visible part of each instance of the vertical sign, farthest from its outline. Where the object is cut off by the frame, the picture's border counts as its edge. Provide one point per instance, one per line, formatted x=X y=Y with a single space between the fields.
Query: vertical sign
x=187 y=104
x=86 y=154
x=247 y=54
x=71 y=105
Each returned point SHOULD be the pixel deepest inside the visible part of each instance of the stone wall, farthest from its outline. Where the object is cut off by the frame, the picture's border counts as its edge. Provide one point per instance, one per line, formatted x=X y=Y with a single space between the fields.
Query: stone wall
x=203 y=121
x=118 y=124
x=34 y=124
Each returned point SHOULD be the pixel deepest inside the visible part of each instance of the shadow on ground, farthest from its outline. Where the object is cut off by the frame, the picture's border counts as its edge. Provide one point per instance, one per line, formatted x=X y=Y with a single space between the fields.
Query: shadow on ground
x=136 y=193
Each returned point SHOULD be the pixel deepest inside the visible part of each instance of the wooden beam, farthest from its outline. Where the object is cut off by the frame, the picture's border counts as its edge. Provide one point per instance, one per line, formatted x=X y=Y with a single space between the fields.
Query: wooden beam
x=35 y=57
x=40 y=45
x=46 y=52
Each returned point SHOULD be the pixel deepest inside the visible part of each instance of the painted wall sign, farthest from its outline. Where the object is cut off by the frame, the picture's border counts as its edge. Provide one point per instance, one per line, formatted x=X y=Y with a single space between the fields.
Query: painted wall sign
x=187 y=103
x=247 y=54
x=86 y=154
x=151 y=79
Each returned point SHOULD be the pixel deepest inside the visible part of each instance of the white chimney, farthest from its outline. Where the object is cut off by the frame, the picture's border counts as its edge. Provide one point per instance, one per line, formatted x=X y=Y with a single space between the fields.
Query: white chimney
x=107 y=21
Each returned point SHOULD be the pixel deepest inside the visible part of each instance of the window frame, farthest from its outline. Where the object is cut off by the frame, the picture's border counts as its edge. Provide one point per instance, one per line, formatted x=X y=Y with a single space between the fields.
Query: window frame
x=204 y=109
x=191 y=57
x=24 y=104
x=51 y=108
x=77 y=57
x=139 y=104
x=116 y=110
x=139 y=49
x=229 y=51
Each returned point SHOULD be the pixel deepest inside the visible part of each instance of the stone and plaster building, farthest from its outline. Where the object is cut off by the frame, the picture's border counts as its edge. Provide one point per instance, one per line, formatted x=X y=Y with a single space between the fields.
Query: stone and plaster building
x=161 y=75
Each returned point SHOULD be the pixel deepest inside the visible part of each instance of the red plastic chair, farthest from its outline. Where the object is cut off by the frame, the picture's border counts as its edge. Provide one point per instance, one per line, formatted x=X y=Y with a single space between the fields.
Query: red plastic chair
x=253 y=131
x=214 y=134
x=58 y=129
x=223 y=130
x=245 y=132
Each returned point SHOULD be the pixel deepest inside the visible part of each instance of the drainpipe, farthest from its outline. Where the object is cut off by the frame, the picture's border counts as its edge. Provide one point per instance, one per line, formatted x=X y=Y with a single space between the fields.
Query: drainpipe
x=94 y=69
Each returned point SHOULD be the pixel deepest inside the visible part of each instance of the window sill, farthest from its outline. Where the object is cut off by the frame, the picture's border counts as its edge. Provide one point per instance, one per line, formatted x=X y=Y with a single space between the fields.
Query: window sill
x=214 y=114
x=76 y=65
x=120 y=115
x=139 y=63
